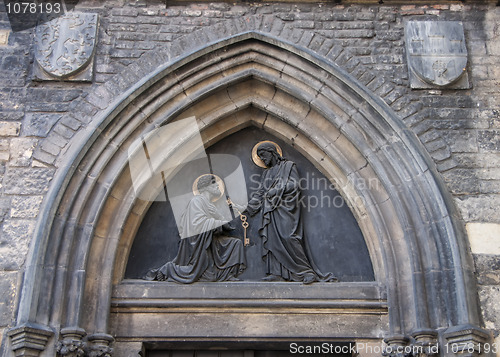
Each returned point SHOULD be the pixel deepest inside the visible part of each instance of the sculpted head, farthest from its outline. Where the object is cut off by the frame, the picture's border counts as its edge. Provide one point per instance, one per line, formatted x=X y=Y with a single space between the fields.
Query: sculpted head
x=268 y=153
x=208 y=183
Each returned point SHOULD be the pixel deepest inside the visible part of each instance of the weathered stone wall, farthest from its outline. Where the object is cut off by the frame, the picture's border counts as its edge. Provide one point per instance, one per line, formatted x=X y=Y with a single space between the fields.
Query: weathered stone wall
x=459 y=128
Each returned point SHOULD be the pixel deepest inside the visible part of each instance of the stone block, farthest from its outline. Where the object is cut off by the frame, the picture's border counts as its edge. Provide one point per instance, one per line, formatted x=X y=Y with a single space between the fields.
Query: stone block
x=489 y=297
x=8 y=283
x=446 y=165
x=25 y=206
x=125 y=12
x=8 y=128
x=484 y=238
x=122 y=27
x=489 y=186
x=213 y=13
x=128 y=36
x=21 y=150
x=304 y=24
x=4 y=37
x=71 y=122
x=38 y=124
x=489 y=140
x=43 y=158
x=461 y=140
x=4 y=144
x=14 y=243
x=12 y=100
x=4 y=208
x=483 y=208
x=13 y=64
x=487 y=269
x=51 y=148
x=27 y=181
x=462 y=181
x=479 y=160
x=12 y=116
x=191 y=13
x=37 y=163
x=441 y=154
x=64 y=131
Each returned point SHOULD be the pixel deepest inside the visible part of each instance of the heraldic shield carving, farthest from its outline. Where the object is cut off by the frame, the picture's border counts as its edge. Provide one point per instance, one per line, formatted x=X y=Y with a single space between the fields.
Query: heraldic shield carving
x=65 y=47
x=437 y=56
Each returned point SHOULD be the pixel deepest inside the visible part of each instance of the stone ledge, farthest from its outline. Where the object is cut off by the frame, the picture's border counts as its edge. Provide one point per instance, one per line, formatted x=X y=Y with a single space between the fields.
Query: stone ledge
x=29 y=339
x=139 y=289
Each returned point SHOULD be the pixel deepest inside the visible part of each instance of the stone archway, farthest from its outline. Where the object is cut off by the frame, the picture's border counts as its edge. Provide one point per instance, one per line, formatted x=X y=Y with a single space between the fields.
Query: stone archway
x=425 y=284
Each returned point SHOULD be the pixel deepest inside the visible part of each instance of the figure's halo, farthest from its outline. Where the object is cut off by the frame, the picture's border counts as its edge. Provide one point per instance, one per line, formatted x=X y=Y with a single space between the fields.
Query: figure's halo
x=219 y=182
x=256 y=159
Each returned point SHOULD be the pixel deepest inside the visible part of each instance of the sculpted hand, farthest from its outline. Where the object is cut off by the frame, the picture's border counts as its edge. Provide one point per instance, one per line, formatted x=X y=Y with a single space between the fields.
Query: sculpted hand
x=239 y=207
x=228 y=227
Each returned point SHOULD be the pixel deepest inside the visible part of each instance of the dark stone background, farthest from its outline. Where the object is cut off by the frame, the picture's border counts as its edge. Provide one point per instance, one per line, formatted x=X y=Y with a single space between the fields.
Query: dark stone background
x=335 y=241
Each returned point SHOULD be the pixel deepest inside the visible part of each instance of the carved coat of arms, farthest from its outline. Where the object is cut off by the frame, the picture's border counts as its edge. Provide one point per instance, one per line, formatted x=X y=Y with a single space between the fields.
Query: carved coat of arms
x=437 y=56
x=65 y=47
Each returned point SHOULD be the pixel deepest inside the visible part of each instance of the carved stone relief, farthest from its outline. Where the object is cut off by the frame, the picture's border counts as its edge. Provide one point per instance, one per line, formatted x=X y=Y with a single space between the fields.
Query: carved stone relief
x=65 y=47
x=326 y=235
x=437 y=56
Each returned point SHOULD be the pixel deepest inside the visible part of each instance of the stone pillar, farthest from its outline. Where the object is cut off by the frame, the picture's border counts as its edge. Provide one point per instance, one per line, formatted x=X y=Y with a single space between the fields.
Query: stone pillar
x=29 y=340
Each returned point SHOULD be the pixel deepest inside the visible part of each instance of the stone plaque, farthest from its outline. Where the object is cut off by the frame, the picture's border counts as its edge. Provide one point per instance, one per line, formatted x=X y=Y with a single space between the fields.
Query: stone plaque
x=65 y=47
x=437 y=56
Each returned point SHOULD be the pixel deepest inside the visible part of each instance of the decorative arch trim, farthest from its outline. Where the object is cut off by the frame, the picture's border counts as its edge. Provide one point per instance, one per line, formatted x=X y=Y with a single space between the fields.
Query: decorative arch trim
x=423 y=258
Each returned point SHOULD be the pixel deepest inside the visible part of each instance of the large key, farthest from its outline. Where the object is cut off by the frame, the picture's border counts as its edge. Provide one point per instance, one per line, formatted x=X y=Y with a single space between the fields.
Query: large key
x=244 y=224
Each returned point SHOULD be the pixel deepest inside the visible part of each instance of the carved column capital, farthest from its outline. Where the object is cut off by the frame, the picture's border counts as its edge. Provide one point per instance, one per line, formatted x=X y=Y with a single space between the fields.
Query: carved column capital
x=99 y=345
x=466 y=340
x=425 y=343
x=71 y=344
x=29 y=340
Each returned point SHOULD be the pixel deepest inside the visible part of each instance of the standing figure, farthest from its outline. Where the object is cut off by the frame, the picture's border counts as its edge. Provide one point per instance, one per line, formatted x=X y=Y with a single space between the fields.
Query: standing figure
x=282 y=233
x=205 y=253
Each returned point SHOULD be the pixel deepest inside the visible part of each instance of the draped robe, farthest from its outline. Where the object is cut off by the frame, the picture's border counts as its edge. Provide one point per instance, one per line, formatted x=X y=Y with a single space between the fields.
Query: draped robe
x=282 y=230
x=204 y=253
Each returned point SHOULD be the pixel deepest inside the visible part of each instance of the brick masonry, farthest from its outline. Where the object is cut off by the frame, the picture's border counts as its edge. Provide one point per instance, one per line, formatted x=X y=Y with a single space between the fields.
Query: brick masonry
x=459 y=128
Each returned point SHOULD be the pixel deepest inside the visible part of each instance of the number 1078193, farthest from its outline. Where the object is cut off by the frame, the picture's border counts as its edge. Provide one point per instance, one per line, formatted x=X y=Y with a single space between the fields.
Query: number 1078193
x=33 y=8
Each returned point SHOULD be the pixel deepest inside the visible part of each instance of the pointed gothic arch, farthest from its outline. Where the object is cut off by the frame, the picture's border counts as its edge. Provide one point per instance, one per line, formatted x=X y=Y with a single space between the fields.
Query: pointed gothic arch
x=424 y=273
